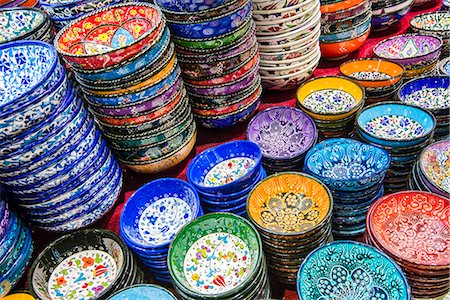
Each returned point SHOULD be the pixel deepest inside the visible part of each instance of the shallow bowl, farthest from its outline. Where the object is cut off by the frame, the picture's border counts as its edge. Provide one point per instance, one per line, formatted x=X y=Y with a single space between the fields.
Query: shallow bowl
x=437 y=23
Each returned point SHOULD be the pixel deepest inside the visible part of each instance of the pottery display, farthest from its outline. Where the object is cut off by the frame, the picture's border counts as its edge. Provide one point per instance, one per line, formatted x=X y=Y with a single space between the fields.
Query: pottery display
x=385 y=14
x=435 y=23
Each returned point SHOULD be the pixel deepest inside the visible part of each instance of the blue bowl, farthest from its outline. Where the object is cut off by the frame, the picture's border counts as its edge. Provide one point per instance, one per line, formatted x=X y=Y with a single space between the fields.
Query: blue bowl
x=242 y=157
x=189 y=6
x=143 y=292
x=384 y=21
x=11 y=234
x=424 y=120
x=238 y=207
x=346 y=164
x=167 y=204
x=225 y=204
x=346 y=35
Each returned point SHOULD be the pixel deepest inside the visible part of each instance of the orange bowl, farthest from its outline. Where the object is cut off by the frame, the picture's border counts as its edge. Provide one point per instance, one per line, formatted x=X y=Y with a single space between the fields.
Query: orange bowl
x=340 y=49
x=339 y=6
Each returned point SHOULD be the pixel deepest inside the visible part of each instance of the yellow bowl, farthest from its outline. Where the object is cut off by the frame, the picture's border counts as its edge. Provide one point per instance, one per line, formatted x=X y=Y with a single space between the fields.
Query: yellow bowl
x=317 y=98
x=19 y=296
x=289 y=203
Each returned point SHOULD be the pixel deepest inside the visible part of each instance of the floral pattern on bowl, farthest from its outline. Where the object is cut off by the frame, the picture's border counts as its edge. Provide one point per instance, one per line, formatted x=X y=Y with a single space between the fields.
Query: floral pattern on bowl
x=228 y=170
x=435 y=22
x=394 y=127
x=434 y=163
x=430 y=98
x=16 y=23
x=370 y=75
x=330 y=101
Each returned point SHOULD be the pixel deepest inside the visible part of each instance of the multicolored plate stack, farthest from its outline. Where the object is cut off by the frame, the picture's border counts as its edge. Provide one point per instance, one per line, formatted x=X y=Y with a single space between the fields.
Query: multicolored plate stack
x=151 y=218
x=434 y=23
x=284 y=135
x=354 y=173
x=288 y=33
x=292 y=212
x=131 y=80
x=413 y=229
x=386 y=13
x=224 y=175
x=54 y=163
x=16 y=247
x=218 y=53
x=24 y=24
x=143 y=292
x=219 y=256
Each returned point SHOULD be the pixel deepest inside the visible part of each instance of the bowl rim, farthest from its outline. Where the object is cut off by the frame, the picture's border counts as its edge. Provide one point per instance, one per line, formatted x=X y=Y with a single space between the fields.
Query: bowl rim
x=169 y=293
x=435 y=13
x=407 y=35
x=415 y=79
x=357 y=123
x=393 y=8
x=296 y=63
x=6 y=10
x=364 y=3
x=313 y=36
x=365 y=24
x=280 y=10
x=293 y=18
x=331 y=142
x=442 y=64
x=391 y=79
x=161 y=20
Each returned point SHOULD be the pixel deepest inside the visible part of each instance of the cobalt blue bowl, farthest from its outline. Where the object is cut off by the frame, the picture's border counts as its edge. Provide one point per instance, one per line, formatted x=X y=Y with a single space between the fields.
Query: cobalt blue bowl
x=189 y=5
x=226 y=168
x=346 y=164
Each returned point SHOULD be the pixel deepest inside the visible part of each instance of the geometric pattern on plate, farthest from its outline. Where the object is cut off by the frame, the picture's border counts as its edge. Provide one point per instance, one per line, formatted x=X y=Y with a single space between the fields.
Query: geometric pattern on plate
x=394 y=127
x=228 y=170
x=329 y=101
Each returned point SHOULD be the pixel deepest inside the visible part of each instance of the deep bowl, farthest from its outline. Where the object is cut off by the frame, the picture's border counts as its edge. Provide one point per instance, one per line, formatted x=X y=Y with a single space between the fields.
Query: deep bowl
x=437 y=23
x=339 y=6
x=189 y=7
x=225 y=168
x=347 y=34
x=20 y=23
x=347 y=165
x=385 y=15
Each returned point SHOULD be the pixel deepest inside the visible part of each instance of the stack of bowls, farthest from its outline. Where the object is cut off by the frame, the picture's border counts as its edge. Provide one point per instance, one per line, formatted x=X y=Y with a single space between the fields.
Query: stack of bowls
x=346 y=269
x=16 y=249
x=24 y=24
x=431 y=172
x=434 y=23
x=86 y=264
x=381 y=79
x=444 y=66
x=288 y=34
x=54 y=163
x=292 y=212
x=403 y=130
x=62 y=12
x=431 y=93
x=345 y=27
x=219 y=256
x=386 y=13
x=413 y=228
x=218 y=55
x=144 y=292
x=284 y=135
x=224 y=175
x=151 y=218
x=333 y=103
x=19 y=3
x=354 y=173
x=131 y=81
x=418 y=53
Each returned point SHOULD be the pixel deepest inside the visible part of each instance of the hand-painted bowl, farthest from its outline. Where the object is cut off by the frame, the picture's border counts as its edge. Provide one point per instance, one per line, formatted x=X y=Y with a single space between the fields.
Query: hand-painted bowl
x=283 y=12
x=289 y=204
x=346 y=13
x=394 y=124
x=290 y=54
x=228 y=168
x=191 y=256
x=330 y=27
x=20 y=23
x=301 y=10
x=437 y=23
x=157 y=211
x=444 y=66
x=143 y=292
x=284 y=69
x=66 y=11
x=264 y=5
x=282 y=132
x=330 y=98
x=434 y=164
x=189 y=7
x=345 y=164
x=384 y=16
x=351 y=32
x=345 y=268
x=373 y=73
x=339 y=6
x=340 y=49
x=307 y=36
x=87 y=44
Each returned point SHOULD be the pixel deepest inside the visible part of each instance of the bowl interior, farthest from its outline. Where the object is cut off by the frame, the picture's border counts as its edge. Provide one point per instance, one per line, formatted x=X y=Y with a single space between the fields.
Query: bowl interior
x=407 y=46
x=289 y=203
x=144 y=292
x=29 y=20
x=436 y=21
x=431 y=92
x=346 y=159
x=157 y=211
x=215 y=254
x=372 y=70
x=434 y=162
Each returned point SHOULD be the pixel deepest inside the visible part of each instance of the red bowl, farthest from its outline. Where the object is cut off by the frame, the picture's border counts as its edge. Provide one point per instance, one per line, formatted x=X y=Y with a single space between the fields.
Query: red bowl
x=110 y=36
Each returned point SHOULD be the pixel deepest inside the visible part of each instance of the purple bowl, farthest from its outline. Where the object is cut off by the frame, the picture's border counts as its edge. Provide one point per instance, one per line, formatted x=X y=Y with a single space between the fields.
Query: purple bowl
x=282 y=132
x=433 y=167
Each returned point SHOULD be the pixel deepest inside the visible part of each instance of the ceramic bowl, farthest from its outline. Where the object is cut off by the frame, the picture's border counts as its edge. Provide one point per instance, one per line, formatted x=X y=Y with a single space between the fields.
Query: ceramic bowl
x=20 y=23
x=435 y=23
x=187 y=8
x=346 y=13
x=347 y=34
x=432 y=164
x=143 y=292
x=394 y=124
x=372 y=73
x=287 y=42
x=345 y=24
x=263 y=5
x=284 y=69
x=288 y=55
x=284 y=12
x=282 y=133
x=444 y=66
x=339 y=6
x=340 y=49
x=125 y=42
x=66 y=11
x=385 y=16
x=342 y=98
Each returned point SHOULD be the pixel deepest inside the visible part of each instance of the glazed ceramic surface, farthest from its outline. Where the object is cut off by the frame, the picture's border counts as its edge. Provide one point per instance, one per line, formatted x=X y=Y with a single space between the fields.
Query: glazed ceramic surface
x=176 y=6
x=436 y=22
x=394 y=127
x=144 y=292
x=349 y=270
x=434 y=163
x=444 y=66
x=17 y=23
x=329 y=101
x=430 y=92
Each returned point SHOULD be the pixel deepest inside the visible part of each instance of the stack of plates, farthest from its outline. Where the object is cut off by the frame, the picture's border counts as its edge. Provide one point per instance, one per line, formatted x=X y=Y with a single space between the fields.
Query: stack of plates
x=54 y=163
x=345 y=269
x=431 y=172
x=333 y=103
x=418 y=53
x=131 y=80
x=16 y=247
x=402 y=130
x=434 y=23
x=380 y=78
x=431 y=93
x=288 y=33
x=218 y=55
x=284 y=135
x=19 y=3
x=24 y=24
x=151 y=218
x=144 y=292
x=224 y=175
x=62 y=12
x=412 y=228
x=345 y=27
x=354 y=173
x=87 y=264
x=292 y=212
x=219 y=256
x=386 y=13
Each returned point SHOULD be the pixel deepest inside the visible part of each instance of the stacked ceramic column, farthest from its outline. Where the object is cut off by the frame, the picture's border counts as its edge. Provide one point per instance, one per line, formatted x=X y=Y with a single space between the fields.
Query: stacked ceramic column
x=218 y=54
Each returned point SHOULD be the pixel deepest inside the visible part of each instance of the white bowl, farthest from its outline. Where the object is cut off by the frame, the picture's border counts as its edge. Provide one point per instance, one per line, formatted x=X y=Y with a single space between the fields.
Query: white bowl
x=286 y=69
x=289 y=62
x=294 y=53
x=314 y=36
x=274 y=4
x=280 y=14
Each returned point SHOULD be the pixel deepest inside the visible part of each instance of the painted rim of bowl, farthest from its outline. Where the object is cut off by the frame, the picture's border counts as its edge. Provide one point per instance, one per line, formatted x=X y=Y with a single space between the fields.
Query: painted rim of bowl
x=392 y=78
